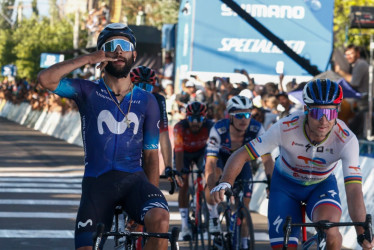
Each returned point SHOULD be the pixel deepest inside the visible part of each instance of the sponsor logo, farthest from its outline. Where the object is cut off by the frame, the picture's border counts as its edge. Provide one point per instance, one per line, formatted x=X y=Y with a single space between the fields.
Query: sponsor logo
x=286 y=130
x=332 y=193
x=221 y=130
x=213 y=141
x=253 y=128
x=315 y=161
x=154 y=195
x=278 y=221
x=114 y=126
x=342 y=132
x=291 y=122
x=84 y=224
x=308 y=146
x=297 y=144
x=259 y=139
x=357 y=169
x=229 y=44
x=268 y=11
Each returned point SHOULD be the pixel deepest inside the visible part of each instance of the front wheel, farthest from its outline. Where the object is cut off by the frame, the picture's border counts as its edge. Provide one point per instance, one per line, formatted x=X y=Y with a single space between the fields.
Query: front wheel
x=245 y=228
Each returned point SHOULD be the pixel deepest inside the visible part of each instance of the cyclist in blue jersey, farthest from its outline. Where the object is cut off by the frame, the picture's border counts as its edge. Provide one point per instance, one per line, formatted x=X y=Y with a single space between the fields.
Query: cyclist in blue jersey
x=310 y=144
x=119 y=121
x=226 y=136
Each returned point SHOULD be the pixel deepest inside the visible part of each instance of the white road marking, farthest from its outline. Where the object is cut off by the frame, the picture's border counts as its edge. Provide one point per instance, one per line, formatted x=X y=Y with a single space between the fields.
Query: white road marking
x=26 y=179
x=39 y=185
x=40 y=202
x=40 y=190
x=39 y=215
x=52 y=234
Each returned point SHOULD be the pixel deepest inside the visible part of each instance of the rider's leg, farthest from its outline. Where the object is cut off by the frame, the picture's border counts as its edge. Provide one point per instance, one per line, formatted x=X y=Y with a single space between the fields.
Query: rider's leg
x=156 y=220
x=331 y=213
x=183 y=201
x=324 y=204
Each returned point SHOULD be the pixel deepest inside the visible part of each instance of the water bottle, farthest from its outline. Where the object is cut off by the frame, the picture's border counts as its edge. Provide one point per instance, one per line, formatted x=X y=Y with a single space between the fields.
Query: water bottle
x=232 y=222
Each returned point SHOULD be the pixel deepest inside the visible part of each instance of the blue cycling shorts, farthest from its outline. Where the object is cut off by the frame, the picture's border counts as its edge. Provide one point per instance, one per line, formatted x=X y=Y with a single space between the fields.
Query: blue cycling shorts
x=101 y=195
x=285 y=200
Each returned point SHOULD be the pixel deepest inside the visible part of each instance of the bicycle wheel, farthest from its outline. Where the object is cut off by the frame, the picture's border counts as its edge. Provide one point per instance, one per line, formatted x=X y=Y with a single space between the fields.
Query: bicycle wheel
x=203 y=223
x=245 y=226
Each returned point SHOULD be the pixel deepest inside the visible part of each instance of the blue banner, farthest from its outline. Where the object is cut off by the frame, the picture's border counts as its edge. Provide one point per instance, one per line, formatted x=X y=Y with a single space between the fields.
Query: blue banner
x=222 y=41
x=9 y=70
x=184 y=39
x=48 y=59
x=168 y=37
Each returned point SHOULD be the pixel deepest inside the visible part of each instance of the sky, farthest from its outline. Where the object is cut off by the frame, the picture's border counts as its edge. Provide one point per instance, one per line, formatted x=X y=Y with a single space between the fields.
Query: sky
x=43 y=7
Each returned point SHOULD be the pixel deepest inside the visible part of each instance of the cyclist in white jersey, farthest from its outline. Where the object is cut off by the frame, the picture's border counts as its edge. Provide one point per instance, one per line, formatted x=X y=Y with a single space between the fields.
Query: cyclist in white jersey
x=311 y=143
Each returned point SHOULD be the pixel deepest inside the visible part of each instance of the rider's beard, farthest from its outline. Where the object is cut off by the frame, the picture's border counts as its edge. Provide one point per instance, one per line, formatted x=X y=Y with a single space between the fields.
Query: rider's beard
x=121 y=72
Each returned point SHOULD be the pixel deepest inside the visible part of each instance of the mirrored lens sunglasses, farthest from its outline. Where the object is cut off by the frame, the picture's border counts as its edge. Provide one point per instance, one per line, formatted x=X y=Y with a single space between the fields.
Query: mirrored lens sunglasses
x=241 y=115
x=195 y=118
x=146 y=86
x=112 y=45
x=318 y=113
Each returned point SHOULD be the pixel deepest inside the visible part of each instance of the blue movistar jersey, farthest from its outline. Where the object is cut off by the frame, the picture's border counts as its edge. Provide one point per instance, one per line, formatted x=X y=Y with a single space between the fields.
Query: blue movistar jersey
x=112 y=141
x=219 y=143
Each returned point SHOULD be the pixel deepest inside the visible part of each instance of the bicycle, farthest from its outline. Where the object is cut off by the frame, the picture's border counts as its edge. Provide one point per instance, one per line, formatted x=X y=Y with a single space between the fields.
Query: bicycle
x=198 y=210
x=321 y=226
x=133 y=238
x=235 y=219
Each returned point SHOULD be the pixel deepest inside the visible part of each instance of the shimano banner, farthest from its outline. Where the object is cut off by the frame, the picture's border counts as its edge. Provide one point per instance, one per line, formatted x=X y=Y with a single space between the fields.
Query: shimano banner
x=212 y=38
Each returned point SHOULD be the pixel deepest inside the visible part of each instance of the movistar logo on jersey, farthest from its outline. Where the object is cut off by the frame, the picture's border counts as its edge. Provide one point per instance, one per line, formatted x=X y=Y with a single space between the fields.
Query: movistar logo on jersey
x=114 y=126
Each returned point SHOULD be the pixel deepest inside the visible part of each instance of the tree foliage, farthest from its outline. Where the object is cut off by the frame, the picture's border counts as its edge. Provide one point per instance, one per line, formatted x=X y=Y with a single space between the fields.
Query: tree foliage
x=343 y=35
x=33 y=37
x=158 y=12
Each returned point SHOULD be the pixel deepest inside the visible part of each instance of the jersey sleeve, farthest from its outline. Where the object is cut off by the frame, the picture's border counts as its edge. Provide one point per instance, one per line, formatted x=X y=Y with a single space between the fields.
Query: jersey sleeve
x=151 y=124
x=265 y=143
x=178 y=137
x=69 y=88
x=214 y=142
x=350 y=162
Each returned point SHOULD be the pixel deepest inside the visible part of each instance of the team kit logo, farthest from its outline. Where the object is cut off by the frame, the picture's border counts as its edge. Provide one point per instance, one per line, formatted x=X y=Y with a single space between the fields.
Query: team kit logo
x=114 y=126
x=316 y=161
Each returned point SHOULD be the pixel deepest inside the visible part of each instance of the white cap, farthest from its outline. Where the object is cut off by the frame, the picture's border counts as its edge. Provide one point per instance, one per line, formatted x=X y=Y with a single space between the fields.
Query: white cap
x=190 y=84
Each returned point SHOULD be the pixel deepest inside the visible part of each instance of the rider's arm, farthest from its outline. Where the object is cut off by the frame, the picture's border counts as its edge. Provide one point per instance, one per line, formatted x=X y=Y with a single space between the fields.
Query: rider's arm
x=151 y=167
x=210 y=169
x=50 y=77
x=268 y=162
x=356 y=206
x=151 y=134
x=178 y=146
x=166 y=148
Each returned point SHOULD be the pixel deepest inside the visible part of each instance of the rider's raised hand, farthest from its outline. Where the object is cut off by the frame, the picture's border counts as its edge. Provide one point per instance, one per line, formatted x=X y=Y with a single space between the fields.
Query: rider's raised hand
x=103 y=58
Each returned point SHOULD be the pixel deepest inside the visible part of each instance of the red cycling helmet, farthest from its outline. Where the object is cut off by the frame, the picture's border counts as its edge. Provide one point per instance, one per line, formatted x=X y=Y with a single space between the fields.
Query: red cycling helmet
x=142 y=74
x=196 y=109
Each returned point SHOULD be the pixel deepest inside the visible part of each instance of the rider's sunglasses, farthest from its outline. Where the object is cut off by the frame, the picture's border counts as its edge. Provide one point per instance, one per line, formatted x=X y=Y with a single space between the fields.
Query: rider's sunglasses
x=241 y=115
x=146 y=86
x=112 y=45
x=318 y=113
x=192 y=118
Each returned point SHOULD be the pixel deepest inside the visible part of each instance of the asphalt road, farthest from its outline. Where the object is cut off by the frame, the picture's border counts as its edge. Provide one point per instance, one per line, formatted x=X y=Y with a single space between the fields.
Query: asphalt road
x=40 y=187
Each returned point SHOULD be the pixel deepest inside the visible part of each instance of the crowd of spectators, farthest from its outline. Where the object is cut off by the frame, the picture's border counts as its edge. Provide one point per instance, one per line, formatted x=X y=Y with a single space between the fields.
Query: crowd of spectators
x=96 y=20
x=271 y=101
x=17 y=91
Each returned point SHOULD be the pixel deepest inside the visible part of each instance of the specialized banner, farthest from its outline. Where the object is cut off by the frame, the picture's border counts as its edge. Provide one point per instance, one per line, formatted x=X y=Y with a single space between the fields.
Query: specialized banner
x=213 y=38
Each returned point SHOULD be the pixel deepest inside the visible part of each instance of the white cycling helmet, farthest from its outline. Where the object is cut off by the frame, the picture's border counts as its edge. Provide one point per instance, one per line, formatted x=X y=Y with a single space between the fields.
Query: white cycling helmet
x=238 y=103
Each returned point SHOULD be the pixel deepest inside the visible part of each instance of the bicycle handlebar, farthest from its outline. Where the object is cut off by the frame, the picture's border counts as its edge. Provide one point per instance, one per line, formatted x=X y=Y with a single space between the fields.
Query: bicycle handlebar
x=324 y=224
x=170 y=173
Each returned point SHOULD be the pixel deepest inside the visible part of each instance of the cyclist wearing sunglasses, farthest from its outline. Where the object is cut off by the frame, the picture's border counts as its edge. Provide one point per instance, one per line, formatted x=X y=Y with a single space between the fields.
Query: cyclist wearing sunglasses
x=226 y=137
x=119 y=129
x=311 y=144
x=190 y=137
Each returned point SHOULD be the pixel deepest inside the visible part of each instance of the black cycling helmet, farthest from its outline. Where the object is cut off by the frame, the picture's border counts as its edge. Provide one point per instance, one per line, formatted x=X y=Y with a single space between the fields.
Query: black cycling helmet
x=322 y=92
x=115 y=29
x=196 y=109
